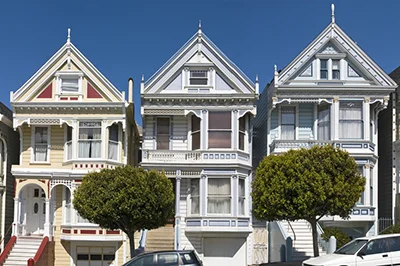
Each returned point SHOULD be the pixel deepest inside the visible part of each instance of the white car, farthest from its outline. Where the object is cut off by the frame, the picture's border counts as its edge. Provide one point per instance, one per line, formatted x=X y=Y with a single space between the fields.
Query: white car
x=363 y=251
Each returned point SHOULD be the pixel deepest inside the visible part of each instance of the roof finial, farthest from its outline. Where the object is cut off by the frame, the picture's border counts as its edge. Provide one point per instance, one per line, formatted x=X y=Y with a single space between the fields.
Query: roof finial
x=142 y=77
x=199 y=29
x=69 y=36
x=333 y=13
x=257 y=78
x=275 y=69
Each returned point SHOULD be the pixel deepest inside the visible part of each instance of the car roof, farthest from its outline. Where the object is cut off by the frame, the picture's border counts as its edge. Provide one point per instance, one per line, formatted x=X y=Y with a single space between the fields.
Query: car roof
x=377 y=237
x=165 y=251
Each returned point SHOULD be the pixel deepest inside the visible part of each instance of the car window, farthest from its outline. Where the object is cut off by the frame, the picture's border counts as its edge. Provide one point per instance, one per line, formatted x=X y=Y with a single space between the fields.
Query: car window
x=376 y=246
x=394 y=243
x=188 y=258
x=145 y=260
x=352 y=247
x=169 y=259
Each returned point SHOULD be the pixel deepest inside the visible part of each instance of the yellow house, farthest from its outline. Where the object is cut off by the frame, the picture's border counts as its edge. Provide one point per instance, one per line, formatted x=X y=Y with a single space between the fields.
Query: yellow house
x=71 y=121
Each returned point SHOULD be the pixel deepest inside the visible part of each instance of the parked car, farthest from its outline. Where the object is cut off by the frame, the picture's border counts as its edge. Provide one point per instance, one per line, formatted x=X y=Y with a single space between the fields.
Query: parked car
x=363 y=251
x=167 y=258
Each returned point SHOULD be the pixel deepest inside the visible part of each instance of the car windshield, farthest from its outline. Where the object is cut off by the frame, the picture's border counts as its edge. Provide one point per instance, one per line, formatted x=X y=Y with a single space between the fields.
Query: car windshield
x=352 y=247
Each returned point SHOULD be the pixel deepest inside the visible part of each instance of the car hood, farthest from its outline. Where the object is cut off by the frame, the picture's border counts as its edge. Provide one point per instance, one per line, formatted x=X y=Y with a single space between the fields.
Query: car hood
x=330 y=259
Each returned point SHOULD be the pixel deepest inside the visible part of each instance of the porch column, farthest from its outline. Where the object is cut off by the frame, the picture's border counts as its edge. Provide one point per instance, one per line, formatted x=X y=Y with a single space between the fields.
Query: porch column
x=367 y=191
x=47 y=219
x=177 y=242
x=16 y=215
x=203 y=195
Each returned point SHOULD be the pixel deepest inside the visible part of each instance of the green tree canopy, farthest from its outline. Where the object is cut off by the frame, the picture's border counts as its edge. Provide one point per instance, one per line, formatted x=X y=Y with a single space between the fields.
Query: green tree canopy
x=307 y=184
x=125 y=198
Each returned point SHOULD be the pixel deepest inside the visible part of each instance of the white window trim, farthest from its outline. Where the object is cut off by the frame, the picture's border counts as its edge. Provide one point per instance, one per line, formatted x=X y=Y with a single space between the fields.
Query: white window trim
x=222 y=130
x=245 y=197
x=70 y=74
x=189 y=199
x=296 y=120
x=102 y=140
x=33 y=128
x=65 y=144
x=363 y=133
x=206 y=199
x=329 y=57
x=170 y=133
x=118 y=142
x=211 y=76
x=246 y=136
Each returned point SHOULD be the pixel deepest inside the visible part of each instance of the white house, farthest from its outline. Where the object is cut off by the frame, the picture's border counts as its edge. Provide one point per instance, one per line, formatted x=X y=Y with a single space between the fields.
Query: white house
x=197 y=111
x=331 y=93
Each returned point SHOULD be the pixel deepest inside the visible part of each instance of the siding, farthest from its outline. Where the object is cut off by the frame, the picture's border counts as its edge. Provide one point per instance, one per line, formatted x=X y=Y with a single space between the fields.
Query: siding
x=179 y=133
x=26 y=145
x=306 y=118
x=56 y=146
x=274 y=125
x=175 y=84
x=61 y=249
x=260 y=134
x=220 y=84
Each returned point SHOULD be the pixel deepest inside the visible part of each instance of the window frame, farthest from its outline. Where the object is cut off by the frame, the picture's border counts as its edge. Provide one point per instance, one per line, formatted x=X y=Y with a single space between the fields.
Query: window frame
x=240 y=197
x=220 y=196
x=191 y=213
x=194 y=78
x=335 y=70
x=66 y=141
x=157 y=134
x=114 y=125
x=361 y=120
x=243 y=133
x=100 y=139
x=325 y=70
x=192 y=132
x=33 y=145
x=295 y=107
x=230 y=130
x=64 y=75
x=321 y=108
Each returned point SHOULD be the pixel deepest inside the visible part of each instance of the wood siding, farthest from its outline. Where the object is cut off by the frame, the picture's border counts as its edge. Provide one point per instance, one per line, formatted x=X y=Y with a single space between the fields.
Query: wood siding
x=61 y=248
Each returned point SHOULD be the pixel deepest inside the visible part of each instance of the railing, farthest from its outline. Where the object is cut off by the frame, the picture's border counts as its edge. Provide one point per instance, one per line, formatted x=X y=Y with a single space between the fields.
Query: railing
x=384 y=223
x=321 y=241
x=34 y=260
x=343 y=144
x=8 y=230
x=7 y=250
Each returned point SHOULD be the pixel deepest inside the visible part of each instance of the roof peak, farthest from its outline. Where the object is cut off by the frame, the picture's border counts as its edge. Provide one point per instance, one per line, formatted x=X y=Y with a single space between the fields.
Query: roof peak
x=69 y=36
x=333 y=13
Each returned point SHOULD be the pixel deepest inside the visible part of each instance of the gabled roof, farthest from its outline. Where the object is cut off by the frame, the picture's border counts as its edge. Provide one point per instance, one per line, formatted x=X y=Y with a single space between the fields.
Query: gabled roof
x=201 y=40
x=333 y=33
x=68 y=47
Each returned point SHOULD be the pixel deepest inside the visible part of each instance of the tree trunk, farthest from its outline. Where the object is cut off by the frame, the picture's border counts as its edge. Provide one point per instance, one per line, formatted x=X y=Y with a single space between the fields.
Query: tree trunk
x=132 y=243
x=313 y=223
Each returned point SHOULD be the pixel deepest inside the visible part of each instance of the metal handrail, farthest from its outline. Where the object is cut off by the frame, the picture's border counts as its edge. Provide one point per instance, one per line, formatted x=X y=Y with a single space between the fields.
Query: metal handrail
x=6 y=233
x=294 y=233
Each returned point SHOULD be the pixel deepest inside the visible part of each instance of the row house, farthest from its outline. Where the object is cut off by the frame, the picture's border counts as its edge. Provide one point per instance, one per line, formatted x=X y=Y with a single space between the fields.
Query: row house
x=331 y=93
x=71 y=120
x=197 y=112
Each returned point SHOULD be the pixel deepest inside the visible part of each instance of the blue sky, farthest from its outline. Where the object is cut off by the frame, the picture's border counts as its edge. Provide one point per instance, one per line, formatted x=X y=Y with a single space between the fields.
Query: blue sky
x=129 y=38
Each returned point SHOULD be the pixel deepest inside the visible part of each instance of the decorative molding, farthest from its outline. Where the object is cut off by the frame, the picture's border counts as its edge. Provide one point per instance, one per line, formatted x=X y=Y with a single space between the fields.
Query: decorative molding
x=164 y=112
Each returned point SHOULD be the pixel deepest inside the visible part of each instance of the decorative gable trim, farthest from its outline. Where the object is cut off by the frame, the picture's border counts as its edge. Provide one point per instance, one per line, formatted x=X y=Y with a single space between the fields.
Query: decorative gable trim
x=333 y=33
x=92 y=92
x=47 y=92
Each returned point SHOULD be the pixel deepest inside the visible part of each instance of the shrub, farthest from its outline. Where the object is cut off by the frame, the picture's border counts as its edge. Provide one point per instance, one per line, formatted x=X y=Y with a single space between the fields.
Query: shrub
x=341 y=237
x=394 y=229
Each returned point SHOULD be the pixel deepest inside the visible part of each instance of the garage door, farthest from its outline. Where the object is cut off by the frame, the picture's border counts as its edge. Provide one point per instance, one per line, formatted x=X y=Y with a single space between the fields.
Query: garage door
x=95 y=256
x=224 y=251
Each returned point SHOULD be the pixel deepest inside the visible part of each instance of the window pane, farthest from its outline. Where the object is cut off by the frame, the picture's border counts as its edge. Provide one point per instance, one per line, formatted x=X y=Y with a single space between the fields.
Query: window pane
x=113 y=131
x=335 y=74
x=350 y=120
x=198 y=81
x=70 y=84
x=162 y=125
x=219 y=195
x=219 y=120
x=288 y=115
x=242 y=124
x=195 y=195
x=324 y=64
x=219 y=139
x=162 y=142
x=335 y=64
x=40 y=149
x=394 y=243
x=167 y=259
x=324 y=74
x=196 y=141
x=241 y=196
x=198 y=74
x=195 y=123
x=69 y=133
x=323 y=122
x=163 y=133
x=241 y=141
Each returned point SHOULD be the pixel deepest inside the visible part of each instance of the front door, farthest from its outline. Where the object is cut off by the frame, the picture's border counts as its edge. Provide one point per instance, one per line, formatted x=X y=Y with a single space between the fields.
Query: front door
x=36 y=207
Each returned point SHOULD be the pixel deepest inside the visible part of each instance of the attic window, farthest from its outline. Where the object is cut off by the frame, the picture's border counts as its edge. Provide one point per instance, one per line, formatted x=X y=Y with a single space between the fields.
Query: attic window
x=198 y=77
x=69 y=82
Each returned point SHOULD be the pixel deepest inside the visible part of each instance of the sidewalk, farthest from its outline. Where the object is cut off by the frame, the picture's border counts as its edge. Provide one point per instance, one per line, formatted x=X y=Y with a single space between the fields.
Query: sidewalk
x=291 y=263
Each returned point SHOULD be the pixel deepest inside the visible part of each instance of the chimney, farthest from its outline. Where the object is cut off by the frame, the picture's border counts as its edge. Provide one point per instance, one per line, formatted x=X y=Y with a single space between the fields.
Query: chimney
x=130 y=90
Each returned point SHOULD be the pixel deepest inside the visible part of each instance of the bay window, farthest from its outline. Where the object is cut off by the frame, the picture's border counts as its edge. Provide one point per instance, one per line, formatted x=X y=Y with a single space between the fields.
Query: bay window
x=219 y=196
x=195 y=196
x=288 y=122
x=195 y=132
x=242 y=133
x=89 y=141
x=41 y=141
x=241 y=196
x=324 y=122
x=113 y=142
x=219 y=130
x=350 y=120
x=163 y=134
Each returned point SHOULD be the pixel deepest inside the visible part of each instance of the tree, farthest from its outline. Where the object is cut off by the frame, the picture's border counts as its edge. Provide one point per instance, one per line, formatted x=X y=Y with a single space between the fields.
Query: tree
x=125 y=198
x=307 y=184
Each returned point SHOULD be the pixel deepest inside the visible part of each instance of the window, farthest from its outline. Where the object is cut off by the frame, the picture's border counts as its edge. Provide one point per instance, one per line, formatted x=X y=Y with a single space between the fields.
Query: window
x=41 y=144
x=142 y=260
x=195 y=132
x=335 y=69
x=350 y=120
x=163 y=133
x=69 y=84
x=89 y=140
x=113 y=142
x=324 y=122
x=219 y=196
x=324 y=69
x=198 y=77
x=288 y=122
x=242 y=132
x=195 y=196
x=375 y=247
x=69 y=143
x=241 y=197
x=219 y=130
x=167 y=259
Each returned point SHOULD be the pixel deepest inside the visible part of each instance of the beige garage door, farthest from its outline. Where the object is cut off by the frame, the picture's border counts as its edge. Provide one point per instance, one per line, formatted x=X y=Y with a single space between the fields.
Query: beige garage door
x=224 y=251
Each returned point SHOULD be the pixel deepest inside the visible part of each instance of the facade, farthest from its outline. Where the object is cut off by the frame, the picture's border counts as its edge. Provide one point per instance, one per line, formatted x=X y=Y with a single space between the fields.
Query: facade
x=71 y=120
x=8 y=156
x=197 y=112
x=331 y=93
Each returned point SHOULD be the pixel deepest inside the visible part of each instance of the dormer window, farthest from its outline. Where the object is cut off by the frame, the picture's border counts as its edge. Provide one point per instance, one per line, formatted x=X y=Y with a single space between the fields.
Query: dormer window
x=69 y=82
x=335 y=69
x=330 y=66
x=324 y=69
x=198 y=77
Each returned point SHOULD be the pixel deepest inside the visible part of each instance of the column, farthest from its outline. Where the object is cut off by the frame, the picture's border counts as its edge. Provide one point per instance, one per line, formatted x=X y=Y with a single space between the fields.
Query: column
x=16 y=219
x=367 y=191
x=315 y=131
x=335 y=119
x=47 y=219
x=204 y=130
x=177 y=210
x=329 y=69
x=203 y=195
x=75 y=129
x=235 y=127
x=235 y=186
x=366 y=118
